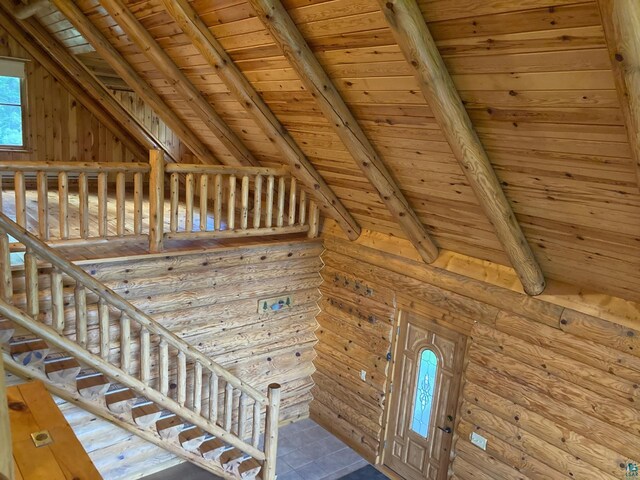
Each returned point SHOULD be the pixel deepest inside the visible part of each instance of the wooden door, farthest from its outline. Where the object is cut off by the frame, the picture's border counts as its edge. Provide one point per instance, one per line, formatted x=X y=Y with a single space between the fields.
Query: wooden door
x=424 y=396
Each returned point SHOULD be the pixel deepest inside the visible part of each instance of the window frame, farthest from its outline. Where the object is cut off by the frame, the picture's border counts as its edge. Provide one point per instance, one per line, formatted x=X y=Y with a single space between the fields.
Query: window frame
x=25 y=147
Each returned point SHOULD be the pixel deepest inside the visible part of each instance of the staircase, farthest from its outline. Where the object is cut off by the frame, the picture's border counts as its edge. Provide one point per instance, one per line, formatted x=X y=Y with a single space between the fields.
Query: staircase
x=91 y=347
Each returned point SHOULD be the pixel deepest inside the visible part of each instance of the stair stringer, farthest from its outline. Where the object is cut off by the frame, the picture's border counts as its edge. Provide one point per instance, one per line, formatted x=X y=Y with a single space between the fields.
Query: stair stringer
x=70 y=394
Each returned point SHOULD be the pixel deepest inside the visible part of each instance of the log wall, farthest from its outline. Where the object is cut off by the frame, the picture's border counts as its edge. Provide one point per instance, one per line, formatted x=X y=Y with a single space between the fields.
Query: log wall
x=551 y=382
x=211 y=299
x=58 y=126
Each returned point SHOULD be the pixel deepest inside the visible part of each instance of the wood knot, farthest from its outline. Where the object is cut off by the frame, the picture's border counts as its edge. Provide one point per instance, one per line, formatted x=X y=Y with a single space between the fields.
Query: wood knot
x=17 y=406
x=619 y=57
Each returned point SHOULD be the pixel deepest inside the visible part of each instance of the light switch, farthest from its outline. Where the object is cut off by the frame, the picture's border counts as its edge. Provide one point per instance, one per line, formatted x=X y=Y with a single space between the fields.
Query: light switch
x=478 y=440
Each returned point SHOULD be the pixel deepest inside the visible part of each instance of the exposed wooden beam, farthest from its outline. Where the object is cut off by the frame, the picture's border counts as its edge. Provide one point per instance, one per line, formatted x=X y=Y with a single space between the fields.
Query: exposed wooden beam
x=277 y=20
x=93 y=87
x=411 y=32
x=30 y=44
x=621 y=23
x=178 y=80
x=189 y=21
x=109 y=53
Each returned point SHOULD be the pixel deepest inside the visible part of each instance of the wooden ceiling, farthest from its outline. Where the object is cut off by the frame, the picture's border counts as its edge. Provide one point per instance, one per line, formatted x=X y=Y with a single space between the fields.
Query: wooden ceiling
x=535 y=77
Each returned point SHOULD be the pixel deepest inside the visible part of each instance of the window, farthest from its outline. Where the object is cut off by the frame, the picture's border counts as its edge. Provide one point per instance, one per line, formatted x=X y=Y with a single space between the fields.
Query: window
x=12 y=132
x=425 y=388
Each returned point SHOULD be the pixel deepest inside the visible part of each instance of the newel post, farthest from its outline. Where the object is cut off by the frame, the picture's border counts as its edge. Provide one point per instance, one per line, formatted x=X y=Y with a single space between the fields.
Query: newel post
x=156 y=200
x=271 y=432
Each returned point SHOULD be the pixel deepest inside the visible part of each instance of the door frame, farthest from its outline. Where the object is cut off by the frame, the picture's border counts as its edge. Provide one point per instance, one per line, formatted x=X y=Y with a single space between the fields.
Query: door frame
x=402 y=312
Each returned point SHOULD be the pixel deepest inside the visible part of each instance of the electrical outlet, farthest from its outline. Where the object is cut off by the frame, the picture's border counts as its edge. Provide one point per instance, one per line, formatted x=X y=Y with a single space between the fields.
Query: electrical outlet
x=478 y=440
x=363 y=375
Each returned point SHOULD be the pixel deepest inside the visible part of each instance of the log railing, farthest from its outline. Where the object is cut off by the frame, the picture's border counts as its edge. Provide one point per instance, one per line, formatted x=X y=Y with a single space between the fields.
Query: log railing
x=229 y=202
x=81 y=187
x=92 y=202
x=105 y=332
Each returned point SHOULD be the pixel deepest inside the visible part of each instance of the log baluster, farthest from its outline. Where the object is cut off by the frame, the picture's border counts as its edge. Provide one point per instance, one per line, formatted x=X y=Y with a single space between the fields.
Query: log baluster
x=255 y=430
x=204 y=200
x=43 y=205
x=63 y=205
x=257 y=201
x=182 y=378
x=80 y=297
x=293 y=187
x=103 y=204
x=197 y=387
x=31 y=279
x=244 y=217
x=21 y=200
x=163 y=366
x=213 y=397
x=217 y=202
x=281 y=193
x=83 y=205
x=302 y=213
x=156 y=200
x=103 y=319
x=120 y=203
x=125 y=343
x=57 y=300
x=228 y=406
x=138 y=194
x=174 y=185
x=188 y=203
x=314 y=219
x=268 y=219
x=145 y=355
x=242 y=415
x=231 y=207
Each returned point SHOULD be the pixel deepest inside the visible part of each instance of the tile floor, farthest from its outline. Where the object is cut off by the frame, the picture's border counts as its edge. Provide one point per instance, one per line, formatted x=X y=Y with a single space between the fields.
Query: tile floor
x=306 y=451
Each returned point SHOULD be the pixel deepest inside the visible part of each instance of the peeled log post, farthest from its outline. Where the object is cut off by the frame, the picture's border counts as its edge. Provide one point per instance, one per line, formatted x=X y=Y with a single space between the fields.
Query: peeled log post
x=621 y=24
x=420 y=50
x=242 y=90
x=178 y=80
x=284 y=31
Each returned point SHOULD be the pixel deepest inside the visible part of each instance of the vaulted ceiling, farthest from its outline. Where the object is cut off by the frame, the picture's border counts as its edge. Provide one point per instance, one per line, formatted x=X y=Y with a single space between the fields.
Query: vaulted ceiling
x=535 y=77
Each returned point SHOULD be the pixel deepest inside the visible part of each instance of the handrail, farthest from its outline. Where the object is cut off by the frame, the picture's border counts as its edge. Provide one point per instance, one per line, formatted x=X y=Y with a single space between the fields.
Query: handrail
x=88 y=167
x=50 y=335
x=37 y=250
x=223 y=170
x=75 y=272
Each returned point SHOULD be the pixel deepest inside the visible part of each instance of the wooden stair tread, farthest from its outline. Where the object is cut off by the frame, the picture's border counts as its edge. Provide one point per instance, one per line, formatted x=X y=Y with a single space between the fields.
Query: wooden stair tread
x=93 y=385
x=120 y=399
x=192 y=438
x=169 y=427
x=62 y=369
x=146 y=414
x=29 y=351
x=214 y=448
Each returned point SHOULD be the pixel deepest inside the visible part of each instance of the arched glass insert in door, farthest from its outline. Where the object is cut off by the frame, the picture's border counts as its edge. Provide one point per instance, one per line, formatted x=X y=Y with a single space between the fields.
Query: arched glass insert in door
x=425 y=387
